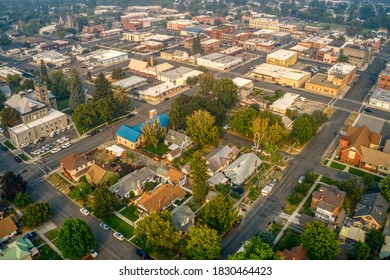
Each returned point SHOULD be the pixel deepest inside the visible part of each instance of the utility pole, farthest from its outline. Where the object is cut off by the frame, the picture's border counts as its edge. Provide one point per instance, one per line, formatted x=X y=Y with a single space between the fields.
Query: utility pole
x=113 y=132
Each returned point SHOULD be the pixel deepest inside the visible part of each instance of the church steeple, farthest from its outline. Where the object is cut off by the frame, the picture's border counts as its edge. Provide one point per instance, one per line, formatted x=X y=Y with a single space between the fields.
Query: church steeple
x=41 y=93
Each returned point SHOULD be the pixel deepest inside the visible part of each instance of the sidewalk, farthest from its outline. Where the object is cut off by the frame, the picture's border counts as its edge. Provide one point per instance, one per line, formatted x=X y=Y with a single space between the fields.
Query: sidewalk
x=292 y=218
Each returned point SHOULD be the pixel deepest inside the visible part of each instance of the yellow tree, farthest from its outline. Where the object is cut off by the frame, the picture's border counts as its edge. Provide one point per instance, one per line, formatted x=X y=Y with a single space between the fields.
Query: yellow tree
x=201 y=127
x=266 y=132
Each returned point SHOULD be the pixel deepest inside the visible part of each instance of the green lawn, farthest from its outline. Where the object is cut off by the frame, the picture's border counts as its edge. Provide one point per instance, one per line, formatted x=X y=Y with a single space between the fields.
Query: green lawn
x=161 y=149
x=37 y=241
x=325 y=162
x=9 y=145
x=119 y=225
x=361 y=173
x=130 y=213
x=337 y=165
x=52 y=234
x=23 y=157
x=289 y=240
x=275 y=228
x=47 y=253
x=328 y=181
x=62 y=104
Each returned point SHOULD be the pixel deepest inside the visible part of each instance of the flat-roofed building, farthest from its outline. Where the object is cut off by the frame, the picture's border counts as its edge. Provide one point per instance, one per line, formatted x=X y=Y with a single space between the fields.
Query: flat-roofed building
x=281 y=75
x=258 y=44
x=135 y=36
x=282 y=104
x=232 y=51
x=210 y=45
x=203 y=19
x=264 y=23
x=157 y=94
x=245 y=86
x=300 y=50
x=51 y=57
x=282 y=58
x=384 y=79
x=180 y=24
x=5 y=71
x=161 y=38
x=380 y=98
x=130 y=82
x=107 y=57
x=219 y=61
x=319 y=83
x=288 y=28
x=358 y=55
x=111 y=32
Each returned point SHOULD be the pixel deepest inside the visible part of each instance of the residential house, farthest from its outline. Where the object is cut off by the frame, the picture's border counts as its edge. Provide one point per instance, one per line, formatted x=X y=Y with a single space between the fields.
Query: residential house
x=351 y=234
x=217 y=178
x=183 y=218
x=8 y=228
x=220 y=158
x=176 y=177
x=376 y=160
x=178 y=139
x=242 y=168
x=99 y=176
x=296 y=253
x=350 y=146
x=371 y=211
x=74 y=166
x=160 y=198
x=132 y=137
x=132 y=183
x=181 y=56
x=173 y=153
x=20 y=249
x=327 y=202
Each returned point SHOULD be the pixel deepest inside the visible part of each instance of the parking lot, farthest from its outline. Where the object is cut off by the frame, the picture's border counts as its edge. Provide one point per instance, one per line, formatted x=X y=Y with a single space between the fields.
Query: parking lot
x=61 y=140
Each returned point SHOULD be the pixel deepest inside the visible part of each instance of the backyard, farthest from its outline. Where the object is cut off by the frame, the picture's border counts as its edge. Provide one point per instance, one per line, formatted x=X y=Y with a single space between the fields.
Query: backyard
x=160 y=150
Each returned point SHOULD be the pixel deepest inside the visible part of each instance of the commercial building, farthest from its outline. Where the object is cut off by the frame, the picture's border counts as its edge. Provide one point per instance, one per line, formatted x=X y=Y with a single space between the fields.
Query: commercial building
x=384 y=79
x=158 y=93
x=245 y=86
x=380 y=98
x=161 y=38
x=288 y=28
x=258 y=44
x=180 y=24
x=210 y=46
x=51 y=57
x=5 y=71
x=282 y=58
x=219 y=61
x=208 y=20
x=358 y=55
x=108 y=57
x=282 y=104
x=232 y=51
x=281 y=75
x=111 y=32
x=339 y=75
x=179 y=75
x=135 y=36
x=232 y=38
x=264 y=23
x=130 y=82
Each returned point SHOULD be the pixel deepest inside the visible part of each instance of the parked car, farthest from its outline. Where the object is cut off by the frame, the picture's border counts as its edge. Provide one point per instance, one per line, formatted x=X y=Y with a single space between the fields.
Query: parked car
x=23 y=145
x=301 y=179
x=273 y=182
x=142 y=254
x=102 y=128
x=104 y=226
x=84 y=211
x=119 y=236
x=56 y=150
x=237 y=223
x=31 y=235
x=4 y=148
x=90 y=68
x=1 y=130
x=66 y=145
x=368 y=110
x=65 y=70
x=52 y=134
x=302 y=98
x=266 y=190
x=17 y=159
x=93 y=253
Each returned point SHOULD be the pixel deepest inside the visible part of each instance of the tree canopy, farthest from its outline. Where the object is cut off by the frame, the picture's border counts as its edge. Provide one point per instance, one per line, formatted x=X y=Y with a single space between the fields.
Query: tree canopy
x=226 y=91
x=82 y=192
x=36 y=214
x=157 y=231
x=384 y=186
x=242 y=119
x=375 y=240
x=198 y=167
x=58 y=84
x=9 y=117
x=206 y=83
x=304 y=128
x=203 y=243
x=360 y=251
x=11 y=184
x=103 y=87
x=75 y=239
x=75 y=88
x=255 y=249
x=320 y=242
x=201 y=127
x=154 y=133
x=104 y=202
x=267 y=129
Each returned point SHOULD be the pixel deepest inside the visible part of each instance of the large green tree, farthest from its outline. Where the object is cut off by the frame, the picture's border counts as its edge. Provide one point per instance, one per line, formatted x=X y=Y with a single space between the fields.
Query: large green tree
x=320 y=242
x=121 y=100
x=201 y=127
x=360 y=251
x=43 y=71
x=75 y=89
x=75 y=239
x=11 y=184
x=27 y=84
x=36 y=214
x=154 y=133
x=58 y=85
x=255 y=249
x=220 y=213
x=117 y=74
x=196 y=45
x=206 y=83
x=375 y=240
x=203 y=243
x=82 y=192
x=104 y=202
x=304 y=128
x=84 y=116
x=241 y=121
x=103 y=87
x=226 y=91
x=157 y=231
x=9 y=117
x=266 y=131
x=13 y=81
x=104 y=108
x=198 y=167
x=22 y=199
x=384 y=186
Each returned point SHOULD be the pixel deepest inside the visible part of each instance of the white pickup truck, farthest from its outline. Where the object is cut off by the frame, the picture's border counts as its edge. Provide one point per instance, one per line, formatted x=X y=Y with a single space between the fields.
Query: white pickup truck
x=266 y=190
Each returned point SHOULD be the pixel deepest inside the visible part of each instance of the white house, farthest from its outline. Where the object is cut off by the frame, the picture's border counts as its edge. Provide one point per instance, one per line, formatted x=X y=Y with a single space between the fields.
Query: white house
x=242 y=168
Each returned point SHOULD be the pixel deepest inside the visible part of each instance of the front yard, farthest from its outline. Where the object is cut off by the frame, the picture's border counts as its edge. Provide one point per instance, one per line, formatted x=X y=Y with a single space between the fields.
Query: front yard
x=289 y=240
x=337 y=165
x=59 y=183
x=130 y=213
x=119 y=225
x=361 y=173
x=48 y=253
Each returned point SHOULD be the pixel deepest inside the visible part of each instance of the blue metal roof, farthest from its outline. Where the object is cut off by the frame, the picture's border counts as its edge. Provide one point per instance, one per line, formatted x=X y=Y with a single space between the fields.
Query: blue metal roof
x=132 y=133
x=128 y=133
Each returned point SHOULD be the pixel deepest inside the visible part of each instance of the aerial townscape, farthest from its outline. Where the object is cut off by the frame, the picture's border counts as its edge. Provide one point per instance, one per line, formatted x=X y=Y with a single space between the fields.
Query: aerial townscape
x=194 y=130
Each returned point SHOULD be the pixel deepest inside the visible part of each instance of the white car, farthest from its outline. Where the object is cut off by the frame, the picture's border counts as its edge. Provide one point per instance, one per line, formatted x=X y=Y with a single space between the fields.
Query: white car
x=84 y=211
x=301 y=179
x=24 y=145
x=93 y=253
x=66 y=145
x=119 y=236
x=65 y=70
x=56 y=150
x=65 y=138
x=90 y=68
x=1 y=130
x=104 y=226
x=302 y=98
x=69 y=126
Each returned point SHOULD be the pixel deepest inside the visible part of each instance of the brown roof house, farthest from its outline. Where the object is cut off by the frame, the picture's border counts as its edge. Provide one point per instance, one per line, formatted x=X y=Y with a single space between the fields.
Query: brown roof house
x=8 y=228
x=99 y=176
x=74 y=166
x=160 y=198
x=327 y=202
x=220 y=158
x=296 y=253
x=350 y=146
x=371 y=211
x=376 y=160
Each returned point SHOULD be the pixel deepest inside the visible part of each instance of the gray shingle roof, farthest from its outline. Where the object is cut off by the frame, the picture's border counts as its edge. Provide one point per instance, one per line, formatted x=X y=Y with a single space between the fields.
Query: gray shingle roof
x=129 y=182
x=373 y=205
x=174 y=137
x=182 y=215
x=220 y=156
x=242 y=168
x=23 y=104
